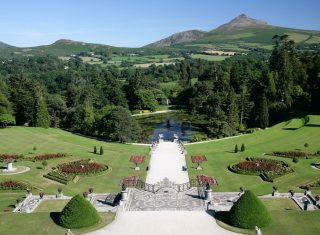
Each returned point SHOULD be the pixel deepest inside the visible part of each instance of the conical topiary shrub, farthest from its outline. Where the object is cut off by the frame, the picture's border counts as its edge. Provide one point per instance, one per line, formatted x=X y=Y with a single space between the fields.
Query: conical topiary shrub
x=78 y=213
x=249 y=212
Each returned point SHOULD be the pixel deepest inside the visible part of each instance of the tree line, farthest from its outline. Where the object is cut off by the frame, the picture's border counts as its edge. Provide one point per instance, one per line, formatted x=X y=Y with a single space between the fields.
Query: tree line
x=255 y=90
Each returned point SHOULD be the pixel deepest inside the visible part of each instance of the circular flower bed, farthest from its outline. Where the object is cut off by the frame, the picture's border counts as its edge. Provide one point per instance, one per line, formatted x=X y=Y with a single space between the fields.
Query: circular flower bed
x=82 y=167
x=268 y=169
x=12 y=185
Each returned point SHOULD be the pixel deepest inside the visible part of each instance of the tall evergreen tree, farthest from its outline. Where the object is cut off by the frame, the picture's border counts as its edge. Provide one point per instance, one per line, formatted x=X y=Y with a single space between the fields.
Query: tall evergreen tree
x=41 y=115
x=263 y=112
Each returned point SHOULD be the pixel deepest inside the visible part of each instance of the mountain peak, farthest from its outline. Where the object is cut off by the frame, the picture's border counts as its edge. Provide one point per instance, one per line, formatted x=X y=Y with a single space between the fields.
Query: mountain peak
x=180 y=37
x=242 y=21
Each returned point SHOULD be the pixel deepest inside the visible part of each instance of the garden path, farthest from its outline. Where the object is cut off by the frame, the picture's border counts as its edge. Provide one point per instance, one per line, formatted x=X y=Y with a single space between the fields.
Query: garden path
x=167 y=161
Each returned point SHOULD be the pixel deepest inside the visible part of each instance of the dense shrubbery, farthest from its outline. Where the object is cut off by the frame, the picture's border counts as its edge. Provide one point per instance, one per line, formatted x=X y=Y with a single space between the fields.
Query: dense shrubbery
x=13 y=185
x=49 y=156
x=78 y=213
x=267 y=169
x=249 y=212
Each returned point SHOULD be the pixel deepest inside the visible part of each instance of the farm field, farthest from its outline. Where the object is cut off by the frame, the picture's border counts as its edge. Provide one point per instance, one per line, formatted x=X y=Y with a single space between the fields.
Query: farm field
x=209 y=57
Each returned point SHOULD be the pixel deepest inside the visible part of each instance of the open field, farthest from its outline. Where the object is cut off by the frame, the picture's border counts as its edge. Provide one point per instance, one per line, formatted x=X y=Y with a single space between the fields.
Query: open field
x=116 y=156
x=209 y=57
x=220 y=155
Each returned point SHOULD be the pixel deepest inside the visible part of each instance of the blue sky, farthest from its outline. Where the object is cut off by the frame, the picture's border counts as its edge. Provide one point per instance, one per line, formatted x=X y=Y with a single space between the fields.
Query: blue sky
x=138 y=22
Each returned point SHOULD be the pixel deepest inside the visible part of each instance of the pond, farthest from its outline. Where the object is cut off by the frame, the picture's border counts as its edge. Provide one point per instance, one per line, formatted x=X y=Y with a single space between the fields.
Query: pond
x=167 y=124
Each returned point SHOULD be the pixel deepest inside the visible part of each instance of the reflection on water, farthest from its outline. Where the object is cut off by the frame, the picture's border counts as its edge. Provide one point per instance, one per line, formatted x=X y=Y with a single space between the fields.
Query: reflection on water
x=166 y=124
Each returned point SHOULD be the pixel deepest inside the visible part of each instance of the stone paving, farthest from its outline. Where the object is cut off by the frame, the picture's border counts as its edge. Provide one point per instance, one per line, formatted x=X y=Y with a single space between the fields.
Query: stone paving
x=183 y=201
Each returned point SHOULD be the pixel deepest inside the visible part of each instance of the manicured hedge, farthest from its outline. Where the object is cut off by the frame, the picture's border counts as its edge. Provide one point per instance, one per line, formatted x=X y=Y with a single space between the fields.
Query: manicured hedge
x=296 y=154
x=78 y=213
x=249 y=212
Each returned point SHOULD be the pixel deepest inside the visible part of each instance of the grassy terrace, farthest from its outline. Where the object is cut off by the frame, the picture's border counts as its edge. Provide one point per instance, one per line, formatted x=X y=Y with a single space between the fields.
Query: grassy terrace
x=116 y=156
x=220 y=155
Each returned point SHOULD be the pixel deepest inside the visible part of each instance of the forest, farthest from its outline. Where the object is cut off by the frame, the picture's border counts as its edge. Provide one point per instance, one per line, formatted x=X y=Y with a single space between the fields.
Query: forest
x=254 y=90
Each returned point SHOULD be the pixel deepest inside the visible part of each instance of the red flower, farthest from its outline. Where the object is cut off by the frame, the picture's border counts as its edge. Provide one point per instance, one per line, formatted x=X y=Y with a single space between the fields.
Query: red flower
x=198 y=158
x=137 y=159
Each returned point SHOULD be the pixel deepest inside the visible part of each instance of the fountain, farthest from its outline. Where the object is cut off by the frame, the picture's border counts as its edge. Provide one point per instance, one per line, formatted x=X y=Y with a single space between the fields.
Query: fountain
x=10 y=167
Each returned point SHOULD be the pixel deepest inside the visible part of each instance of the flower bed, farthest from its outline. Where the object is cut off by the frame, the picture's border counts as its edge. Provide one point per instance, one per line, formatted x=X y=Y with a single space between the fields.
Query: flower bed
x=12 y=185
x=48 y=156
x=10 y=157
x=315 y=185
x=130 y=181
x=82 y=167
x=293 y=154
x=198 y=158
x=64 y=173
x=137 y=159
x=267 y=169
x=203 y=180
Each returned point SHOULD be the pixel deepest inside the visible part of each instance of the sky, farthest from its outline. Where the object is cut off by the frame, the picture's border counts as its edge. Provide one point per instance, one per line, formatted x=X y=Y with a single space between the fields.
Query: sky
x=135 y=23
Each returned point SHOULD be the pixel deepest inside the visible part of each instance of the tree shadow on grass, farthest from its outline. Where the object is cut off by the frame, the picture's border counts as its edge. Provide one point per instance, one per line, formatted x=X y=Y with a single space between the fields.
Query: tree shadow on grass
x=55 y=217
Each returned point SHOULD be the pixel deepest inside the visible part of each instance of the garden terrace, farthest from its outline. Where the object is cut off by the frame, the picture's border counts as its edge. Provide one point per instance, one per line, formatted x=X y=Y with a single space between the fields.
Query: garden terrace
x=268 y=169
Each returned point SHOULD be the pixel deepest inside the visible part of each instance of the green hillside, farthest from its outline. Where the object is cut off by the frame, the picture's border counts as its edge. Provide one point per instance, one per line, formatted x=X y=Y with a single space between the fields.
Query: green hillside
x=248 y=38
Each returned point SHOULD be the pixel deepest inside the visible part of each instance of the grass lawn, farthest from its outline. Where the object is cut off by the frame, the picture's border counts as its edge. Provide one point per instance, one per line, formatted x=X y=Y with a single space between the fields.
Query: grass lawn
x=287 y=218
x=116 y=156
x=220 y=155
x=52 y=205
x=42 y=223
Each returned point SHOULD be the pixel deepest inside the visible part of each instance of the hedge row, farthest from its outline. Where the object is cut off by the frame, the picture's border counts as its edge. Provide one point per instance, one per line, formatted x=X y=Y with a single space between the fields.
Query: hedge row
x=59 y=177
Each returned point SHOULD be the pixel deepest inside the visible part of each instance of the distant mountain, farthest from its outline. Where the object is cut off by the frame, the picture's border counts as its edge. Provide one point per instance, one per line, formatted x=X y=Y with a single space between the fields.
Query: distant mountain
x=241 y=22
x=4 y=45
x=177 y=38
x=240 y=34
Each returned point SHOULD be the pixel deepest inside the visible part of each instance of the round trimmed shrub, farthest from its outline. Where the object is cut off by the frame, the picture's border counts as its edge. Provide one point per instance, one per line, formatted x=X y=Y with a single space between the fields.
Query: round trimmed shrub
x=249 y=212
x=78 y=213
